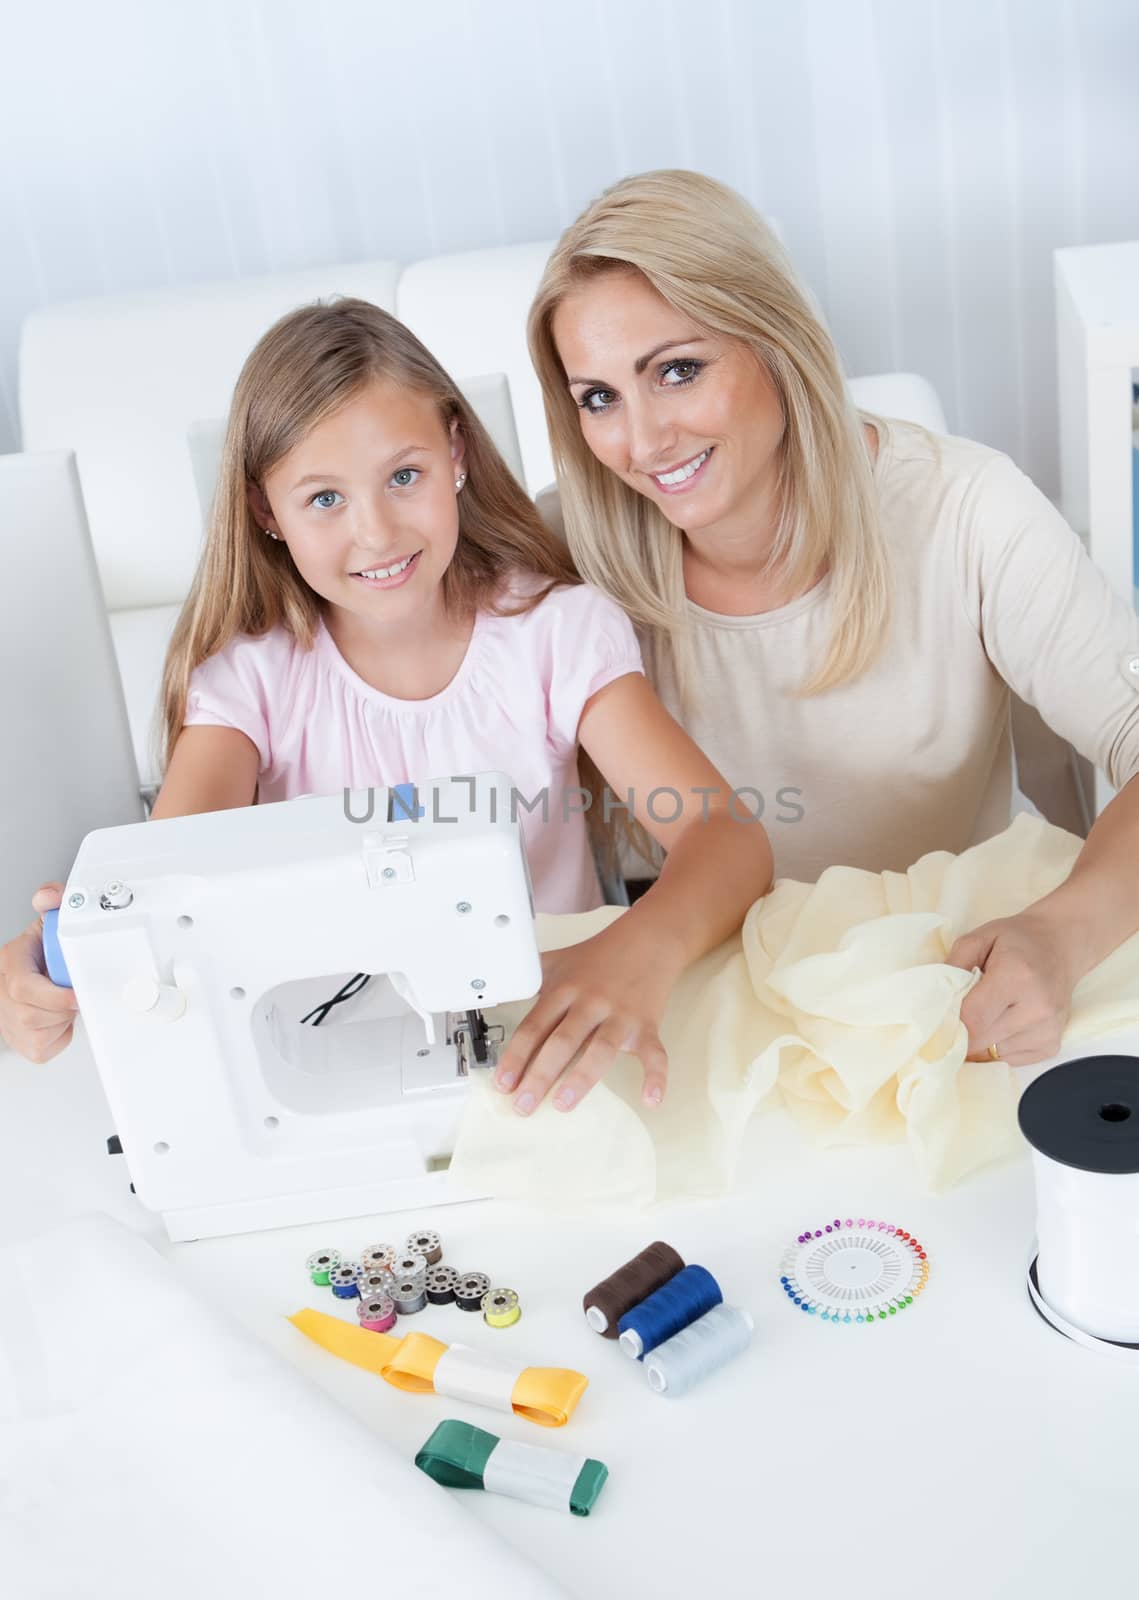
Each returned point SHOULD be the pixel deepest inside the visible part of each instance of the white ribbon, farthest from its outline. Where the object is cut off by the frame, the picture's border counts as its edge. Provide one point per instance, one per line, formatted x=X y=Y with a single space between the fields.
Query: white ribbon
x=532 y=1472
x=464 y=1374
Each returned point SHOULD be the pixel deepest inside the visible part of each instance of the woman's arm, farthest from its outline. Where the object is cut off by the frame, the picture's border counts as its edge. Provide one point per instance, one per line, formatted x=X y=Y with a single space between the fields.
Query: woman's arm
x=211 y=769
x=1067 y=644
x=608 y=994
x=1032 y=963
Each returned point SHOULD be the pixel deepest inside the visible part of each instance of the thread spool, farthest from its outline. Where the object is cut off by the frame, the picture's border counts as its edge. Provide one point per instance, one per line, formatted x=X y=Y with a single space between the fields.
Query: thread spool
x=440 y=1285
x=378 y=1258
x=607 y=1302
x=343 y=1281
x=500 y=1308
x=320 y=1264
x=409 y=1268
x=377 y=1313
x=409 y=1297
x=470 y=1289
x=373 y=1284
x=688 y=1295
x=1082 y=1121
x=426 y=1244
x=702 y=1348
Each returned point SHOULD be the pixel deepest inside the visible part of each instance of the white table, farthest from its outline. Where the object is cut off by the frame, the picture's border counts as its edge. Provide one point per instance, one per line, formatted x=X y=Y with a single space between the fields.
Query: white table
x=962 y=1449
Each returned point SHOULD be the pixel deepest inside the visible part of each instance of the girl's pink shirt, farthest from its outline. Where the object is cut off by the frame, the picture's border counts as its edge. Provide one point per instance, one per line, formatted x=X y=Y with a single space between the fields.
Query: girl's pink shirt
x=513 y=706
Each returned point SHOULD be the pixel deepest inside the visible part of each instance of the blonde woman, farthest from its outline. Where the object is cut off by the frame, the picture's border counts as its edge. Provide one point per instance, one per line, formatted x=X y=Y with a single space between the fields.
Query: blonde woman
x=836 y=606
x=378 y=602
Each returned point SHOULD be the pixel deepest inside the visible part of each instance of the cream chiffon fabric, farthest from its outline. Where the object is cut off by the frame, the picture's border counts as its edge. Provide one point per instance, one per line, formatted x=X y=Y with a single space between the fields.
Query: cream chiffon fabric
x=835 y=999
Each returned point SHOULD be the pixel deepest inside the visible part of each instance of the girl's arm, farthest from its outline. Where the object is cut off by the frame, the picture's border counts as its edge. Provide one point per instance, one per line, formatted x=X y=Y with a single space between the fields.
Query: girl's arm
x=211 y=769
x=608 y=994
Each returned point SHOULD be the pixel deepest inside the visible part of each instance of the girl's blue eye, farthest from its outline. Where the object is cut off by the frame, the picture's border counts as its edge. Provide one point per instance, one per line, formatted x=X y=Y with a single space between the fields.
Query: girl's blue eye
x=326 y=499
x=685 y=372
x=404 y=477
x=603 y=397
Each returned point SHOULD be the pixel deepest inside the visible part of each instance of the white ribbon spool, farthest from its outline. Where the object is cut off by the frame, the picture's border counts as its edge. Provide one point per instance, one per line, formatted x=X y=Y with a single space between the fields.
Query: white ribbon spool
x=1082 y=1121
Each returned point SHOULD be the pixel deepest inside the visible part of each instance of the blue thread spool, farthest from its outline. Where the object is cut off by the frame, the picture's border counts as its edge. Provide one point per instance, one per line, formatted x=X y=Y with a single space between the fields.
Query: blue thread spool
x=686 y=1296
x=344 y=1281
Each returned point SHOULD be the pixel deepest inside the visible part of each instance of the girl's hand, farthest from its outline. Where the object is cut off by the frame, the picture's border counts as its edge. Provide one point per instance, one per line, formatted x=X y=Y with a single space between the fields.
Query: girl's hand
x=36 y=1015
x=599 y=998
x=1021 y=1004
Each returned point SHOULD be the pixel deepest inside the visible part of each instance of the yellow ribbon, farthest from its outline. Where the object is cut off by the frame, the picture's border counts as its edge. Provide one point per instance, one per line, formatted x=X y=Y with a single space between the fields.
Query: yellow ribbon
x=546 y=1395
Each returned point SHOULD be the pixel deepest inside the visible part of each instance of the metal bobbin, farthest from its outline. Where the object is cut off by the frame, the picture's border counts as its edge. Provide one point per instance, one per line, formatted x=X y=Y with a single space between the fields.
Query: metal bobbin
x=410 y=1268
x=426 y=1244
x=376 y=1283
x=320 y=1264
x=377 y=1313
x=440 y=1285
x=470 y=1289
x=344 y=1281
x=409 y=1297
x=378 y=1258
x=500 y=1308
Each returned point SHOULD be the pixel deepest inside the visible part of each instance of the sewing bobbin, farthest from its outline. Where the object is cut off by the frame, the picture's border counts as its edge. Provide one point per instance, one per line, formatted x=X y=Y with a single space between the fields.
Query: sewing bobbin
x=344 y=1281
x=440 y=1284
x=426 y=1244
x=470 y=1289
x=500 y=1308
x=320 y=1264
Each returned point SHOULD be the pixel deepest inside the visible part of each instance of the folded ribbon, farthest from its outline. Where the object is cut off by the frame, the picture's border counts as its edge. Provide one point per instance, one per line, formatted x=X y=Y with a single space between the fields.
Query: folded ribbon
x=546 y=1395
x=461 y=1456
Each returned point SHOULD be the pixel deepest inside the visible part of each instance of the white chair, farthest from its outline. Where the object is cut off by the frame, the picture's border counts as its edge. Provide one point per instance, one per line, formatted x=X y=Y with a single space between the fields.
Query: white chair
x=68 y=765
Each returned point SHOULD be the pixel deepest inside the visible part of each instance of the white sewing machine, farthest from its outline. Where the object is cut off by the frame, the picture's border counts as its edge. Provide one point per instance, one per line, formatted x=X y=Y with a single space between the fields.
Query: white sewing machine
x=199 y=946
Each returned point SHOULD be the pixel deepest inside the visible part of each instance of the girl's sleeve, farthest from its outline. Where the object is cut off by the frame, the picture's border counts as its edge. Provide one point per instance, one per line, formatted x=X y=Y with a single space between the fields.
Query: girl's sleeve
x=228 y=691
x=1050 y=622
x=591 y=643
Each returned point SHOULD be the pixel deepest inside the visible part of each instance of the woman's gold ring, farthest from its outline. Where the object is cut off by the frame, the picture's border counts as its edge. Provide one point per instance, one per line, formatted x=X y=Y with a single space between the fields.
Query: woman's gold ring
x=994 y=1053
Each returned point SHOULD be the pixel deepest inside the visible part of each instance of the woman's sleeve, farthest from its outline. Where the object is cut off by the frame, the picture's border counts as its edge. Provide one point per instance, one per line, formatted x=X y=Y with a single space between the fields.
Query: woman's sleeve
x=591 y=643
x=227 y=691
x=1049 y=620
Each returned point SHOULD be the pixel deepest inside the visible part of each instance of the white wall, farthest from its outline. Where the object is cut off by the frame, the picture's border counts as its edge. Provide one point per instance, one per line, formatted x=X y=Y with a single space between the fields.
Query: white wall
x=923 y=156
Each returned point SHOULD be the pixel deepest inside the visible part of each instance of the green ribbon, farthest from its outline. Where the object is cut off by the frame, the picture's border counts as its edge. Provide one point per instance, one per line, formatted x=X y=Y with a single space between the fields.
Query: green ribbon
x=456 y=1455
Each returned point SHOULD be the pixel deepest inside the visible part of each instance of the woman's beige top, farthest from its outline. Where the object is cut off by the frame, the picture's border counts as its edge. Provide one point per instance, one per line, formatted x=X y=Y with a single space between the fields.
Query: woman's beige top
x=992 y=590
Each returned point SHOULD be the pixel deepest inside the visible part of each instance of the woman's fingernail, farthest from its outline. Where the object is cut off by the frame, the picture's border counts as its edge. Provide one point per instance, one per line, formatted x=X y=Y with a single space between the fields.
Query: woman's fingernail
x=524 y=1104
x=655 y=1095
x=505 y=1081
x=564 y=1099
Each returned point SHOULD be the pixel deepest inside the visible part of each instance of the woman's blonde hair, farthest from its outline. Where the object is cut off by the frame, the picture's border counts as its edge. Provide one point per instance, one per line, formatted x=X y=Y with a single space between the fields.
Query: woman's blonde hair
x=709 y=254
x=306 y=367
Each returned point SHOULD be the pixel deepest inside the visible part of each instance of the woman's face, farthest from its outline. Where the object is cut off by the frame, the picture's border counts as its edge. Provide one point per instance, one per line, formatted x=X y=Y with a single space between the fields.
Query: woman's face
x=688 y=418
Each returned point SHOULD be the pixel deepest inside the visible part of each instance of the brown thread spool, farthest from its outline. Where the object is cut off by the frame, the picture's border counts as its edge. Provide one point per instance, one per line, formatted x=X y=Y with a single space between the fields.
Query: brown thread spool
x=605 y=1304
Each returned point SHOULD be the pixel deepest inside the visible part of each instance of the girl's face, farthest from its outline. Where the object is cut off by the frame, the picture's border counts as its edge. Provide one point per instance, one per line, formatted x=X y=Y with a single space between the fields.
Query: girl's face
x=690 y=419
x=367 y=503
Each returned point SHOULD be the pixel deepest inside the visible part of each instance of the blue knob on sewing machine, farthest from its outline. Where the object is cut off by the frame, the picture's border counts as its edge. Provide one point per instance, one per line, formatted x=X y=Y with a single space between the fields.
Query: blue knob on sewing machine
x=53 y=955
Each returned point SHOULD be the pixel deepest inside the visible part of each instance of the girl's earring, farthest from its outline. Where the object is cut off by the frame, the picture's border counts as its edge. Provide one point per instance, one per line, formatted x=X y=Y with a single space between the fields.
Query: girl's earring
x=272 y=535
x=460 y=480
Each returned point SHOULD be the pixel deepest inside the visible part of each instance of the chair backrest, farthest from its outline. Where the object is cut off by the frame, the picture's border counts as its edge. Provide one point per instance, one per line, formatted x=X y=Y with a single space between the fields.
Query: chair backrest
x=68 y=765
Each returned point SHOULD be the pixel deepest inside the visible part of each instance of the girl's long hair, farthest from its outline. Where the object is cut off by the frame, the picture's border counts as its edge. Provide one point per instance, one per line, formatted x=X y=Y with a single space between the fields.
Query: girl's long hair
x=305 y=368
x=709 y=254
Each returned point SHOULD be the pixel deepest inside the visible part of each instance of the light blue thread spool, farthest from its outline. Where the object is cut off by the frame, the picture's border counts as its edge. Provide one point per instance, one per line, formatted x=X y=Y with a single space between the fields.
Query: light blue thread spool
x=686 y=1296
x=702 y=1348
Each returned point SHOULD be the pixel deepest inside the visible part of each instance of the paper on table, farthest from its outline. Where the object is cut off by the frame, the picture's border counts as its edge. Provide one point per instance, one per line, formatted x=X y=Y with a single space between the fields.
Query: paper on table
x=148 y=1447
x=836 y=999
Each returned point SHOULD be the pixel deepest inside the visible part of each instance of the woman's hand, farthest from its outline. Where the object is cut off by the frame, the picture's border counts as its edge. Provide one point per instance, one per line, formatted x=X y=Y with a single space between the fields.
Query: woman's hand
x=598 y=998
x=1021 y=1004
x=36 y=1015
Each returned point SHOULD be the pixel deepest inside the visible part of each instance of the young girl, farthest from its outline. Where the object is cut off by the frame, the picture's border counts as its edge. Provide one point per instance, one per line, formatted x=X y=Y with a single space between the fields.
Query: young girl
x=378 y=602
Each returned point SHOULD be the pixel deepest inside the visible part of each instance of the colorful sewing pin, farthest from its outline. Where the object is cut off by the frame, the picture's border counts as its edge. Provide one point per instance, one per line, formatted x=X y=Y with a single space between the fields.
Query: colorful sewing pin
x=500 y=1308
x=855 y=1272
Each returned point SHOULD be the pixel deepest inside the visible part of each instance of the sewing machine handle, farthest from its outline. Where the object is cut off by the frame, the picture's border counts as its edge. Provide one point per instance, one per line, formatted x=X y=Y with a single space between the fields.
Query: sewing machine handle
x=53 y=955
